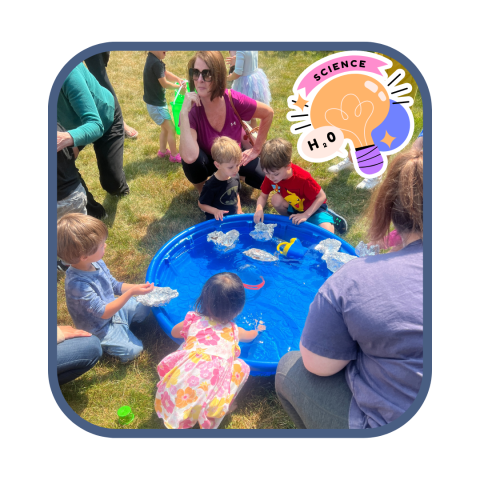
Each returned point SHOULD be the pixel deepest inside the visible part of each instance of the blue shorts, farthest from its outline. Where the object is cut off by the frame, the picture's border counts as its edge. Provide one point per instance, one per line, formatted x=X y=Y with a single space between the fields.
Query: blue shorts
x=320 y=216
x=158 y=114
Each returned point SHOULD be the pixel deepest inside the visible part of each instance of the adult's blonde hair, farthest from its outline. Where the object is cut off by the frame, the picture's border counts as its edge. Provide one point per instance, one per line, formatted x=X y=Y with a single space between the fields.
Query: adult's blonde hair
x=216 y=64
x=225 y=149
x=399 y=198
x=79 y=236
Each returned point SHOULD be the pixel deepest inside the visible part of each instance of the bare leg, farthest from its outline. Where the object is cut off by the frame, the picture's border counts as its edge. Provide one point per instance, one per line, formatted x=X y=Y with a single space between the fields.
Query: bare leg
x=327 y=226
x=163 y=137
x=279 y=204
x=171 y=136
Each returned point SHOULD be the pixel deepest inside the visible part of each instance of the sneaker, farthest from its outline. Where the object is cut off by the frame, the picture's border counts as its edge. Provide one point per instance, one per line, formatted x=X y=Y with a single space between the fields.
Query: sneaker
x=61 y=266
x=368 y=183
x=176 y=159
x=166 y=153
x=338 y=222
x=344 y=164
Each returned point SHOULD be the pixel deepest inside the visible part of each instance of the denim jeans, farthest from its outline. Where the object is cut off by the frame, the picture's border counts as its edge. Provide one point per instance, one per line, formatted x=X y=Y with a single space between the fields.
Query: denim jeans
x=120 y=341
x=76 y=356
x=312 y=401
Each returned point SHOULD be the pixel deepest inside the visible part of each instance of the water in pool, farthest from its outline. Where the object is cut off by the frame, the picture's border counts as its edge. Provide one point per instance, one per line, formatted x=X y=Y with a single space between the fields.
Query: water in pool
x=282 y=303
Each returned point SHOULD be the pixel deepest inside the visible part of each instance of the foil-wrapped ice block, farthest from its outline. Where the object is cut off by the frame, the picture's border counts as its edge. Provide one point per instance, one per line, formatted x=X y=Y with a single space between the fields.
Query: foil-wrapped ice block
x=336 y=260
x=158 y=297
x=329 y=245
x=363 y=250
x=261 y=255
x=263 y=231
x=223 y=239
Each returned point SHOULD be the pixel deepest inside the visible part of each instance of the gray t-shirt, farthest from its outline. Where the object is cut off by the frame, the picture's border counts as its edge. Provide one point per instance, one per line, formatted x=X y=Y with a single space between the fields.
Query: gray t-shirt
x=371 y=312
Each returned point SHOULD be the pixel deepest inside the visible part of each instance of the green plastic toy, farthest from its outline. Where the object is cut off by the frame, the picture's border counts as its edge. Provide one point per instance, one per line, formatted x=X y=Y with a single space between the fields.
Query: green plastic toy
x=125 y=415
x=177 y=106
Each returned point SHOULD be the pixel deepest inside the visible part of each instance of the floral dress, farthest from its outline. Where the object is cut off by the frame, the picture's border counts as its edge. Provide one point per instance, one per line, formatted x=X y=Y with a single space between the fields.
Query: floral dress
x=199 y=381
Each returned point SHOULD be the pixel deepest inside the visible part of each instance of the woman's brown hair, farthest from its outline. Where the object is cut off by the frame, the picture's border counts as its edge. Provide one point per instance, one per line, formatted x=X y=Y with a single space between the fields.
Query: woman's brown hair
x=399 y=198
x=216 y=64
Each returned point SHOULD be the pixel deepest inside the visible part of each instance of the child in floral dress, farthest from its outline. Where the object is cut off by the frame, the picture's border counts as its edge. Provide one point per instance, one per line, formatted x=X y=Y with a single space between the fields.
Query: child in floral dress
x=200 y=380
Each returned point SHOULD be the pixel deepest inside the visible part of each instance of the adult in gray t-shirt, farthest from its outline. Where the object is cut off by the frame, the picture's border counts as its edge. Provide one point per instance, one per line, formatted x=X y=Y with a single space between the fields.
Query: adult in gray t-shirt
x=373 y=309
x=368 y=318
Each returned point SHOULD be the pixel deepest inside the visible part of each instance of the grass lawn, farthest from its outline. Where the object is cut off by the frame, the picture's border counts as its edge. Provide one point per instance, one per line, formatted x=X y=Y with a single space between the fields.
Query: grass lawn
x=163 y=203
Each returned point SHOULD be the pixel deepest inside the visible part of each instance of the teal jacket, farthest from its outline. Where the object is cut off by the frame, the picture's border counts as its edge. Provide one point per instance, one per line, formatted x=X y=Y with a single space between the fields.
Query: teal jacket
x=84 y=108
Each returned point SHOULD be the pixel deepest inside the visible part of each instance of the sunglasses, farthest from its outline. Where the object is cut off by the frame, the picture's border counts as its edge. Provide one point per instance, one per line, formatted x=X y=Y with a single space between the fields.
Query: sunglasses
x=195 y=74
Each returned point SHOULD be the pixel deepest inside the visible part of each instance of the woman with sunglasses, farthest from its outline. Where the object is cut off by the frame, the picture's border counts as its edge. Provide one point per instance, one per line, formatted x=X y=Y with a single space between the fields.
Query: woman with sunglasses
x=207 y=114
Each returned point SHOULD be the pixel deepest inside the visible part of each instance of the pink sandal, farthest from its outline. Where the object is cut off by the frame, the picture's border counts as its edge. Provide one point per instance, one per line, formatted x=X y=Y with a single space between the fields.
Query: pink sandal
x=176 y=159
x=164 y=154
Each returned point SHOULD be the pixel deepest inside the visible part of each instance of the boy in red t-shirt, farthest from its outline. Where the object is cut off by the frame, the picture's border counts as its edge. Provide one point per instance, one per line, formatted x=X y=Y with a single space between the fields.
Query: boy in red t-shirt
x=297 y=194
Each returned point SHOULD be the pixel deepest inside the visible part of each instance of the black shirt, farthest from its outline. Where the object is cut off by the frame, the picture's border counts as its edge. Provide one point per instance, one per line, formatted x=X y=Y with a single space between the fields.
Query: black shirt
x=153 y=92
x=221 y=194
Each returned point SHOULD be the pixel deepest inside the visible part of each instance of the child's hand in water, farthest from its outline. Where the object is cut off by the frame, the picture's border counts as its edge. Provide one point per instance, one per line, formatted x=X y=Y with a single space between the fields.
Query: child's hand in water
x=258 y=217
x=142 y=289
x=219 y=214
x=261 y=328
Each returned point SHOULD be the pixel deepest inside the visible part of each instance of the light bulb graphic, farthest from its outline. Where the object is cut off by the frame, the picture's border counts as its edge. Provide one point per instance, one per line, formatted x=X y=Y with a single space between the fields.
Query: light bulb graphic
x=356 y=104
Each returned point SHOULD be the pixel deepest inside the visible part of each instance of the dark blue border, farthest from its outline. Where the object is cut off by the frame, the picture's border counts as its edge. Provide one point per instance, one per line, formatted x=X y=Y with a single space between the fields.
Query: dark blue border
x=427 y=239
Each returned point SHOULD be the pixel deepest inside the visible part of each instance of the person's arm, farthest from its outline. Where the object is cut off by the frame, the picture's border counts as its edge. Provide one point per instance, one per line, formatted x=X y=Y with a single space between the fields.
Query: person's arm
x=239 y=205
x=113 y=307
x=218 y=214
x=166 y=84
x=246 y=335
x=261 y=202
x=78 y=96
x=298 y=218
x=233 y=76
x=265 y=114
x=189 y=149
x=173 y=78
x=322 y=366
x=177 y=330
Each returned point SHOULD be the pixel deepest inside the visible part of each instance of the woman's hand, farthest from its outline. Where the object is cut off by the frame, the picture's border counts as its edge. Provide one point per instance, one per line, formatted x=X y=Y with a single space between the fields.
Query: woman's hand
x=191 y=98
x=231 y=60
x=248 y=156
x=64 y=139
x=70 y=332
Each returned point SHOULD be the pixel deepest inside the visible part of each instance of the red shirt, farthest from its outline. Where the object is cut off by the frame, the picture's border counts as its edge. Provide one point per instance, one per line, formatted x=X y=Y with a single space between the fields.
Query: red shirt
x=300 y=190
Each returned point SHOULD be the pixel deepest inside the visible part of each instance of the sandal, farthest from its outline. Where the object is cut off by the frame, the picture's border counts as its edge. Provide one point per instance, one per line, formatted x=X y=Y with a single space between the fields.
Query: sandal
x=176 y=159
x=166 y=153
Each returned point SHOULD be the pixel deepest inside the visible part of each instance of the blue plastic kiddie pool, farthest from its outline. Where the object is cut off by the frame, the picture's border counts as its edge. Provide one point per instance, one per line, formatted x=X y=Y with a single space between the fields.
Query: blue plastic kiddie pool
x=277 y=293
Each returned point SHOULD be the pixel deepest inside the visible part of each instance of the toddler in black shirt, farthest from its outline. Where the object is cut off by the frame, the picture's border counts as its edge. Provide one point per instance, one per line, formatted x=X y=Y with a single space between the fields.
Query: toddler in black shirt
x=219 y=195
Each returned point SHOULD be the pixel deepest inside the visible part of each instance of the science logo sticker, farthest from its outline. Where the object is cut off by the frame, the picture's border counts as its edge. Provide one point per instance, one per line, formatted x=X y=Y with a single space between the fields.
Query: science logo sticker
x=348 y=98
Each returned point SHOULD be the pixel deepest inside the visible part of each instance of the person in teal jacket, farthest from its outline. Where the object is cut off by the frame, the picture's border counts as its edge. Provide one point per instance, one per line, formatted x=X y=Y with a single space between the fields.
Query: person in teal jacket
x=88 y=112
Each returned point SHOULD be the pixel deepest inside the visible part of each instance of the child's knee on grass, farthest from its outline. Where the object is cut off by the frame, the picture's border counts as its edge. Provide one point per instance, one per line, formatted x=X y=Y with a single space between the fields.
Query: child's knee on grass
x=279 y=204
